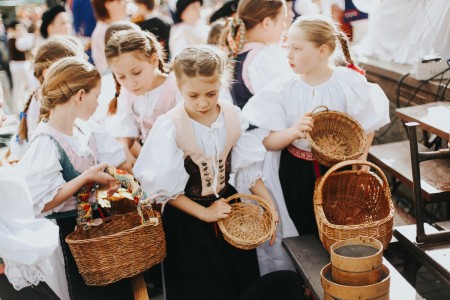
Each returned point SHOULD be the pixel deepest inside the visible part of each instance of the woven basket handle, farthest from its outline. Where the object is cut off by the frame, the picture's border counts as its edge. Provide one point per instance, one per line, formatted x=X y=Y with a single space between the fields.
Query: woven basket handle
x=263 y=202
x=319 y=107
x=355 y=162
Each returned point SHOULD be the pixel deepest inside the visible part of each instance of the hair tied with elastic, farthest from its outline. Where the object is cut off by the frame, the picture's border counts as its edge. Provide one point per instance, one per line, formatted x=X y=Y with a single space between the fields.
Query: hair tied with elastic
x=22 y=115
x=236 y=35
x=116 y=95
x=355 y=68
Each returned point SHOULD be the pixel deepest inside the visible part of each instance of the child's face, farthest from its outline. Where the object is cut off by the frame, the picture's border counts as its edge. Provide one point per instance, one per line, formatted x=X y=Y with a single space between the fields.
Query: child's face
x=134 y=72
x=200 y=95
x=303 y=55
x=192 y=13
x=90 y=102
x=60 y=25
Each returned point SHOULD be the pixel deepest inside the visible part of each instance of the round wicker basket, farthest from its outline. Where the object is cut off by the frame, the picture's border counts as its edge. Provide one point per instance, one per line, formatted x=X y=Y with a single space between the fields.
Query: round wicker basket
x=117 y=249
x=348 y=205
x=335 y=137
x=251 y=222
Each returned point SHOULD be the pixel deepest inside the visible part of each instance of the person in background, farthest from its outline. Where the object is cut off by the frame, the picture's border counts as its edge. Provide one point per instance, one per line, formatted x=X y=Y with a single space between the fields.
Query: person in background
x=21 y=68
x=147 y=18
x=55 y=20
x=106 y=12
x=188 y=30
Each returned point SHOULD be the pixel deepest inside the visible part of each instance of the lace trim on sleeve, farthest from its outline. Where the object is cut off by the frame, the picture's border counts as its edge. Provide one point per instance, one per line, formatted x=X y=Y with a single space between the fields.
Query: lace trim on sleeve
x=20 y=275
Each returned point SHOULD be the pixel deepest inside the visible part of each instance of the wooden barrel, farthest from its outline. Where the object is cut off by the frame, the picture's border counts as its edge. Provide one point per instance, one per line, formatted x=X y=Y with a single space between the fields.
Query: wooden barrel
x=357 y=261
x=333 y=290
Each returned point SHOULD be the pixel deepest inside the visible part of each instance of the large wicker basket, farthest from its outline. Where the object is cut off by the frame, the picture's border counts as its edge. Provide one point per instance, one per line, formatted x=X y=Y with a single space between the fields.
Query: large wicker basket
x=252 y=221
x=117 y=249
x=349 y=205
x=335 y=137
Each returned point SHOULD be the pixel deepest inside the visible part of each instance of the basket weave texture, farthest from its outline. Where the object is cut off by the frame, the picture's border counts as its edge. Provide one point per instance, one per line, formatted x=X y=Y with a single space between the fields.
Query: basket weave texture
x=348 y=205
x=251 y=222
x=117 y=249
x=335 y=137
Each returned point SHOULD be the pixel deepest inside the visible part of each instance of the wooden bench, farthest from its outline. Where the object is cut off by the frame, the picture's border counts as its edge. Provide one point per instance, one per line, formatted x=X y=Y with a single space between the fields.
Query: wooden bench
x=395 y=158
x=436 y=258
x=310 y=257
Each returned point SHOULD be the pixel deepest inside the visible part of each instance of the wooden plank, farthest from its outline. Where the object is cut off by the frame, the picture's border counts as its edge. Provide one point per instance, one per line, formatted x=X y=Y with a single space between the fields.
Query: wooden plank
x=396 y=159
x=432 y=117
x=435 y=258
x=139 y=287
x=310 y=257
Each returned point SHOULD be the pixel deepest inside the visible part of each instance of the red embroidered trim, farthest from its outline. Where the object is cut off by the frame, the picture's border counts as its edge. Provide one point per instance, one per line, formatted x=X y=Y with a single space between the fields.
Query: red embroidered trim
x=301 y=154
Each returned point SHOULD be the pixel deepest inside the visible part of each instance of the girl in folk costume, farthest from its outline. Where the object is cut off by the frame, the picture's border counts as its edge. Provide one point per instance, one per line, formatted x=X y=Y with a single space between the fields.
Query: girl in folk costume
x=136 y=59
x=62 y=161
x=252 y=39
x=284 y=108
x=27 y=243
x=187 y=160
x=50 y=51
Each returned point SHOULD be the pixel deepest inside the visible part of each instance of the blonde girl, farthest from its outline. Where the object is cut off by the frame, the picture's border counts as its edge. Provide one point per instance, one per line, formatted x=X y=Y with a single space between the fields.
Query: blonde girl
x=284 y=109
x=187 y=160
x=252 y=39
x=61 y=159
x=137 y=62
x=50 y=51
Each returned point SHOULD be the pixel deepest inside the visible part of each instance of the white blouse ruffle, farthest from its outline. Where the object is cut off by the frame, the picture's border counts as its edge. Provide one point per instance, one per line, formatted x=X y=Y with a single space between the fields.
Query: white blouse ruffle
x=282 y=103
x=160 y=166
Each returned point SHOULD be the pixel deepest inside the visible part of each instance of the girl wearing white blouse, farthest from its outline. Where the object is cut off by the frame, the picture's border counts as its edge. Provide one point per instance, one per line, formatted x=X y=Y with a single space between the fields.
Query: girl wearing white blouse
x=137 y=61
x=187 y=160
x=253 y=40
x=283 y=109
x=61 y=159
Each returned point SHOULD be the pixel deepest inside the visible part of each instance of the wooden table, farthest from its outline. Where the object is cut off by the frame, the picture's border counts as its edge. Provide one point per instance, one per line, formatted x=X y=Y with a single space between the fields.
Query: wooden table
x=310 y=257
x=389 y=74
x=433 y=117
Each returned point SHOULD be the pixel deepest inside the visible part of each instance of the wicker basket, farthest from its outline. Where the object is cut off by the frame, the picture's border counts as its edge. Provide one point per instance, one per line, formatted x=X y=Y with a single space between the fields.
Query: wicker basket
x=335 y=137
x=117 y=249
x=349 y=205
x=251 y=222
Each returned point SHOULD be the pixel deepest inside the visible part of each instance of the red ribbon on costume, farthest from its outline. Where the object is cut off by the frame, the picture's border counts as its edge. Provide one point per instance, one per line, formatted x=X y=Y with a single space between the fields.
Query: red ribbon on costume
x=355 y=68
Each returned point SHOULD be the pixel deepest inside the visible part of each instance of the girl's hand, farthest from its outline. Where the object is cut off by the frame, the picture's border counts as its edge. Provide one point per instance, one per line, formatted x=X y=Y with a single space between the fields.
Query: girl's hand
x=97 y=174
x=128 y=165
x=303 y=124
x=218 y=210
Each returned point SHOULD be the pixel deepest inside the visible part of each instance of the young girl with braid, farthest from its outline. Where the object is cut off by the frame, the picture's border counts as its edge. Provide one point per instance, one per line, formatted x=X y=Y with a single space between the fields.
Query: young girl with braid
x=253 y=40
x=62 y=161
x=136 y=60
x=50 y=51
x=284 y=108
